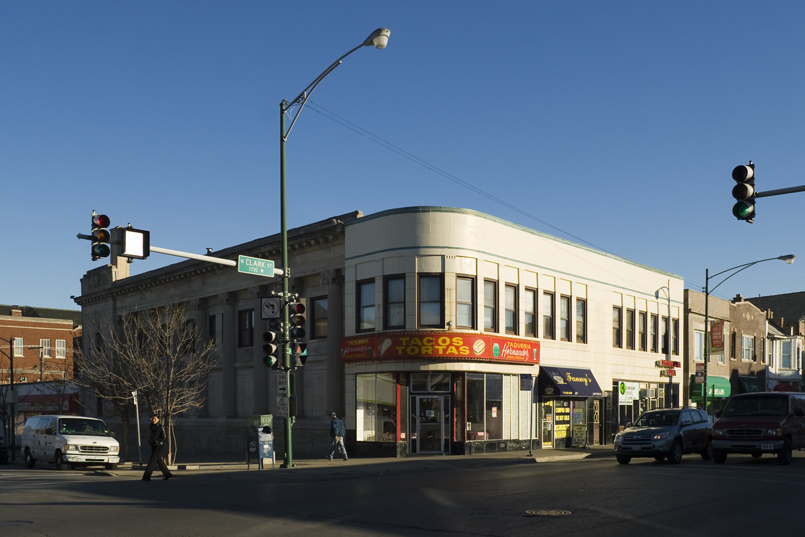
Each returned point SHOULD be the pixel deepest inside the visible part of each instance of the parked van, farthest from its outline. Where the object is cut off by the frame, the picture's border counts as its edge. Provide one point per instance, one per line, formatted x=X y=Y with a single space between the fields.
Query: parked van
x=68 y=441
x=757 y=423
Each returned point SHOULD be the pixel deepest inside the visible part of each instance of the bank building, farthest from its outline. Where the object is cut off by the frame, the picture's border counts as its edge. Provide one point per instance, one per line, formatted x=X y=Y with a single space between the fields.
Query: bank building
x=431 y=330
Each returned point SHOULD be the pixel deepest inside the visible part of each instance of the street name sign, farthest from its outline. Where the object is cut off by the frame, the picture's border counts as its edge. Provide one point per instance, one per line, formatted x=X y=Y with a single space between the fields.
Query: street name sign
x=256 y=265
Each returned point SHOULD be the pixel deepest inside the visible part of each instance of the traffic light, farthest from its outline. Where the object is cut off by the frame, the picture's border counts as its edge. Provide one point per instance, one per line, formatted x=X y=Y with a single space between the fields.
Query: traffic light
x=744 y=192
x=270 y=348
x=100 y=236
x=299 y=351
x=296 y=312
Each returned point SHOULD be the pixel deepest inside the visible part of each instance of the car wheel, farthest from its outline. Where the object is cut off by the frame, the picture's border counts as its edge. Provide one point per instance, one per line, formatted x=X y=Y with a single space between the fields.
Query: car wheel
x=30 y=462
x=785 y=455
x=623 y=459
x=719 y=457
x=707 y=452
x=757 y=455
x=58 y=460
x=659 y=459
x=111 y=466
x=675 y=455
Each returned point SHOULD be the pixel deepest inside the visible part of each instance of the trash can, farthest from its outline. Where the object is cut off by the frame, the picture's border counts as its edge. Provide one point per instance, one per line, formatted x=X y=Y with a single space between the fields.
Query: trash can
x=252 y=445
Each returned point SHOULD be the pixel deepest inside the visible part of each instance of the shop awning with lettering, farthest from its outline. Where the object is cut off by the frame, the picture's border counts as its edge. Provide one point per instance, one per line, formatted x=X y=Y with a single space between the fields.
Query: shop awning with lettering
x=567 y=382
x=716 y=387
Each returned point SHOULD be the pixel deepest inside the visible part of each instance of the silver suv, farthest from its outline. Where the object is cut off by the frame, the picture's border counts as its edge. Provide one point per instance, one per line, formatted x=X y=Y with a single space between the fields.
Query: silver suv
x=666 y=433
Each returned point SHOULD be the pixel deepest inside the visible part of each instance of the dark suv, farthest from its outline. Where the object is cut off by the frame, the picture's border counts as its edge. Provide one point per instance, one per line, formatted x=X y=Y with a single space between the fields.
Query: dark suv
x=666 y=433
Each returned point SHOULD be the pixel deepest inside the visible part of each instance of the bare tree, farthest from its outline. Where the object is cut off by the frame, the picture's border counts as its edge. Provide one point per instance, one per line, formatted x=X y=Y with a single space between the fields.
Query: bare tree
x=157 y=352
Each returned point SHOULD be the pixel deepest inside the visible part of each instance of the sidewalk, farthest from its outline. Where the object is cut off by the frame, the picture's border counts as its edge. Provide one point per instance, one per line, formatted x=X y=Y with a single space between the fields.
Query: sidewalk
x=337 y=469
x=383 y=465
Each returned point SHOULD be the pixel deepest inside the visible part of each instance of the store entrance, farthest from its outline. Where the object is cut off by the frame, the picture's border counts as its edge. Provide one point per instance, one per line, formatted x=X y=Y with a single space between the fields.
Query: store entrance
x=429 y=423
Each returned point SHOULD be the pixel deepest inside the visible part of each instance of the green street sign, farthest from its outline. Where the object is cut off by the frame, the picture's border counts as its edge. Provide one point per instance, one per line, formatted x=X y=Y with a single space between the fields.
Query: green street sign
x=256 y=266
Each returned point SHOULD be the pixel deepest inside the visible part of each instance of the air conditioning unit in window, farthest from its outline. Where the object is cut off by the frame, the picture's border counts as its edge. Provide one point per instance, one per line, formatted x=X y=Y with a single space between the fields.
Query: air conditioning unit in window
x=652 y=393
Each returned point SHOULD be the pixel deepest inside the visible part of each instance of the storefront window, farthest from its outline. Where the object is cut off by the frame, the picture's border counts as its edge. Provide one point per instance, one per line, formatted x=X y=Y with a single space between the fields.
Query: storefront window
x=475 y=407
x=494 y=407
x=376 y=408
x=484 y=406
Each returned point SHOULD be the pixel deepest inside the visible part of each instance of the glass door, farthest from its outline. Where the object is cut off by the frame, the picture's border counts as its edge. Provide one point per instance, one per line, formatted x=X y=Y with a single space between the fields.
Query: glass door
x=430 y=423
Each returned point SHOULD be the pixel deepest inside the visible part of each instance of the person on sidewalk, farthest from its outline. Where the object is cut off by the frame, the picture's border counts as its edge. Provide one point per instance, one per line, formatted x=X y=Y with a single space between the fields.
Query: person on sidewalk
x=157 y=442
x=337 y=432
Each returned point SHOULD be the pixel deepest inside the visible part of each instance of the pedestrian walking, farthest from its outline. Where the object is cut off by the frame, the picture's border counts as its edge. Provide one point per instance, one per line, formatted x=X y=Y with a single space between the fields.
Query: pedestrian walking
x=337 y=432
x=157 y=443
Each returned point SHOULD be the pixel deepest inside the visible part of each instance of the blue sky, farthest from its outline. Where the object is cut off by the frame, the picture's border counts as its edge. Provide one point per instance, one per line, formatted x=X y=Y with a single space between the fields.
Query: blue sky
x=614 y=124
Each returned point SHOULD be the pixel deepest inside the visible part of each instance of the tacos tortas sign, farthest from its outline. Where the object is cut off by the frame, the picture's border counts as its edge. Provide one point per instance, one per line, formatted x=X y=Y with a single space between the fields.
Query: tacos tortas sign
x=438 y=345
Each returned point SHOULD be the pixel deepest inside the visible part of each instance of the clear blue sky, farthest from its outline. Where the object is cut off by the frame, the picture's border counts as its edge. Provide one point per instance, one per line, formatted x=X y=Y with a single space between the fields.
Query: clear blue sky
x=614 y=124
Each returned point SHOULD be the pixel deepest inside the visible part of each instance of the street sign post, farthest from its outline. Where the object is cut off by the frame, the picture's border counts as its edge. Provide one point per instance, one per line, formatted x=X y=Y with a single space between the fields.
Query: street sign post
x=256 y=265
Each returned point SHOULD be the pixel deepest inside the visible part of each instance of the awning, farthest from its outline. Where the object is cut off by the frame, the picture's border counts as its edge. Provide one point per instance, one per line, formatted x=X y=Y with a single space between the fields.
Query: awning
x=749 y=384
x=784 y=387
x=716 y=387
x=567 y=382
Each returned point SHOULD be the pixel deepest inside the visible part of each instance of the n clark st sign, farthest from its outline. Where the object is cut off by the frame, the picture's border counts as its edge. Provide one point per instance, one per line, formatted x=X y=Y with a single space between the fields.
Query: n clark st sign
x=438 y=345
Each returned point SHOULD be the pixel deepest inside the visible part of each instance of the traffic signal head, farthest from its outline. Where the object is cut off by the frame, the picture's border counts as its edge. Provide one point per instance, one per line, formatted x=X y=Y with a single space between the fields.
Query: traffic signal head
x=296 y=311
x=299 y=351
x=744 y=192
x=270 y=348
x=100 y=236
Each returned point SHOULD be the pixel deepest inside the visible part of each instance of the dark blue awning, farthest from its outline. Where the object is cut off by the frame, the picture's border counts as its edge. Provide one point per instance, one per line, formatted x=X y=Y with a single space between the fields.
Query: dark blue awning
x=567 y=382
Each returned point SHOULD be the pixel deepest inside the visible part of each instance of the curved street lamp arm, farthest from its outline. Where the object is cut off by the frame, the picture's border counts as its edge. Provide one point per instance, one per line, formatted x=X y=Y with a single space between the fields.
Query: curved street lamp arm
x=787 y=258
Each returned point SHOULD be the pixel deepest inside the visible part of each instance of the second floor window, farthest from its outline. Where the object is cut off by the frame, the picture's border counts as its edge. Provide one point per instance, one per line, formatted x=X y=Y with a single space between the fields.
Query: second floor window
x=564 y=318
x=530 y=311
x=630 y=327
x=61 y=349
x=747 y=348
x=395 y=302
x=44 y=348
x=511 y=309
x=547 y=315
x=698 y=346
x=366 y=306
x=654 y=328
x=18 y=347
x=617 y=337
x=490 y=306
x=581 y=320
x=431 y=301
x=785 y=357
x=642 y=330
x=245 y=328
x=465 y=302
x=318 y=314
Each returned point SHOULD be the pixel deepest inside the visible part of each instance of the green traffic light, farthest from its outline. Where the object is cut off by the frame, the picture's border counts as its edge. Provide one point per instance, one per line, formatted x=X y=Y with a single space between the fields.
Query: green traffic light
x=743 y=210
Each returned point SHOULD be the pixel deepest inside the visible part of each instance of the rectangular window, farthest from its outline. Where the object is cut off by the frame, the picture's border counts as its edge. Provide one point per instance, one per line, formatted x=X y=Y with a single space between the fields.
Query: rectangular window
x=733 y=344
x=18 y=347
x=698 y=346
x=547 y=315
x=318 y=314
x=394 y=302
x=617 y=340
x=245 y=328
x=510 y=309
x=61 y=349
x=564 y=318
x=747 y=348
x=490 y=306
x=675 y=337
x=664 y=335
x=530 y=311
x=44 y=348
x=366 y=306
x=581 y=320
x=642 y=330
x=377 y=410
x=630 y=329
x=465 y=302
x=431 y=301
x=211 y=328
x=786 y=354
x=654 y=329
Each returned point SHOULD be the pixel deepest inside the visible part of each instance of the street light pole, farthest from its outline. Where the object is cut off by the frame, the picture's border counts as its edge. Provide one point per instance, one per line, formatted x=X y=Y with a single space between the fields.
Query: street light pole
x=379 y=39
x=669 y=333
x=734 y=270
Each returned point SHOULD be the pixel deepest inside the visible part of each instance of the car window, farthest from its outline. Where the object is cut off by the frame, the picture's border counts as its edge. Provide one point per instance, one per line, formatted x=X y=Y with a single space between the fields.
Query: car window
x=757 y=406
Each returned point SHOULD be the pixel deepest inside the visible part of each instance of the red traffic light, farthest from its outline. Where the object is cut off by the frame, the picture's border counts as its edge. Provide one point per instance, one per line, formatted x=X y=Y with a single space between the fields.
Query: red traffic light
x=100 y=220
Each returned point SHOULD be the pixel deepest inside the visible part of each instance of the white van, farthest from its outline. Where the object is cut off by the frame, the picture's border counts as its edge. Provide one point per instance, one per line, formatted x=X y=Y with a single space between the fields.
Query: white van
x=69 y=441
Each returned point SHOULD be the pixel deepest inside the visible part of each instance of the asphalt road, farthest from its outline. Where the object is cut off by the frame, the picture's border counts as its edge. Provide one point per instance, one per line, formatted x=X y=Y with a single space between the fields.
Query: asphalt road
x=475 y=496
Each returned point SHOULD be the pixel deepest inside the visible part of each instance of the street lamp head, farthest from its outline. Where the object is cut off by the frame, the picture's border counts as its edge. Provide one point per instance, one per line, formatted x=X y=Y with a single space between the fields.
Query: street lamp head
x=787 y=258
x=379 y=38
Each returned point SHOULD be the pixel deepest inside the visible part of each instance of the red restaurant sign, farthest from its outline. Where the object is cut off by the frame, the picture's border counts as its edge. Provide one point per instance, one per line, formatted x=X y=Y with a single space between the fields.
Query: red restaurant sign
x=438 y=345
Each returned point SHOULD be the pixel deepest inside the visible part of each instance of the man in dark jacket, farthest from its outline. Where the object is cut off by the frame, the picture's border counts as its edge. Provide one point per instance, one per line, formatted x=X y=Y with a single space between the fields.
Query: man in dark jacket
x=337 y=432
x=157 y=442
